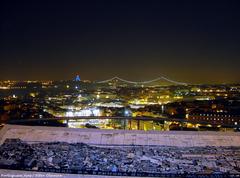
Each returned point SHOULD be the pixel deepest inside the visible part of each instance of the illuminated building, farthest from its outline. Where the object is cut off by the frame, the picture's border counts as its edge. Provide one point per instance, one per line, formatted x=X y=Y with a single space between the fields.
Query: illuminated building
x=77 y=79
x=215 y=118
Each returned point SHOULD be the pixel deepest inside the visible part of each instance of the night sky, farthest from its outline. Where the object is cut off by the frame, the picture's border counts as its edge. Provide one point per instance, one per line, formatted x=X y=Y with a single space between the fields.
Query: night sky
x=187 y=41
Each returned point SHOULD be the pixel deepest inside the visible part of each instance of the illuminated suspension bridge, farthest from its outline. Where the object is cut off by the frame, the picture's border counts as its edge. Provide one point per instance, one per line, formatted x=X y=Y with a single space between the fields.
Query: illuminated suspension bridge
x=116 y=79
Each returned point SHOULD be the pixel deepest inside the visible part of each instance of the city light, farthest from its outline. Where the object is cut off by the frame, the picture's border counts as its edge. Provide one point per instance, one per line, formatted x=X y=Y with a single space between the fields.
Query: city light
x=84 y=112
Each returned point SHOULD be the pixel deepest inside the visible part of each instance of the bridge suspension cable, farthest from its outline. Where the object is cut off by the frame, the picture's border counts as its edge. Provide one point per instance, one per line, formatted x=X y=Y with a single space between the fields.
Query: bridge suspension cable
x=141 y=82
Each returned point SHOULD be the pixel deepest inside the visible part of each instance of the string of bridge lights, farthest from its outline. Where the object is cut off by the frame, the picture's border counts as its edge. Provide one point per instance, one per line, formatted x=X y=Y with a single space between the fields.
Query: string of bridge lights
x=116 y=78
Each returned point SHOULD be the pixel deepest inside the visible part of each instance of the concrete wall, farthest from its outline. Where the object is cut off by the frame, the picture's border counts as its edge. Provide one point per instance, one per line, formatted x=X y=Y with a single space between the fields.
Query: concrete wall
x=120 y=137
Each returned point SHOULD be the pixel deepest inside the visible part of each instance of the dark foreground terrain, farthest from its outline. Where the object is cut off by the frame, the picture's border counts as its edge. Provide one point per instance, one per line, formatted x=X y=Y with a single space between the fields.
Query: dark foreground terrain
x=118 y=160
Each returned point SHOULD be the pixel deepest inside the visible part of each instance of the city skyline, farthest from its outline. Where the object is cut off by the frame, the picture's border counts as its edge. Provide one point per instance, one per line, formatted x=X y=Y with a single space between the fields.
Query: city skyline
x=136 y=88
x=157 y=80
x=184 y=41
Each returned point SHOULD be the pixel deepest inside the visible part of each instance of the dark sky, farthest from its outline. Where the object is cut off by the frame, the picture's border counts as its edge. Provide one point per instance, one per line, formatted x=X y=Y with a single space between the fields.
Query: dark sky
x=188 y=41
